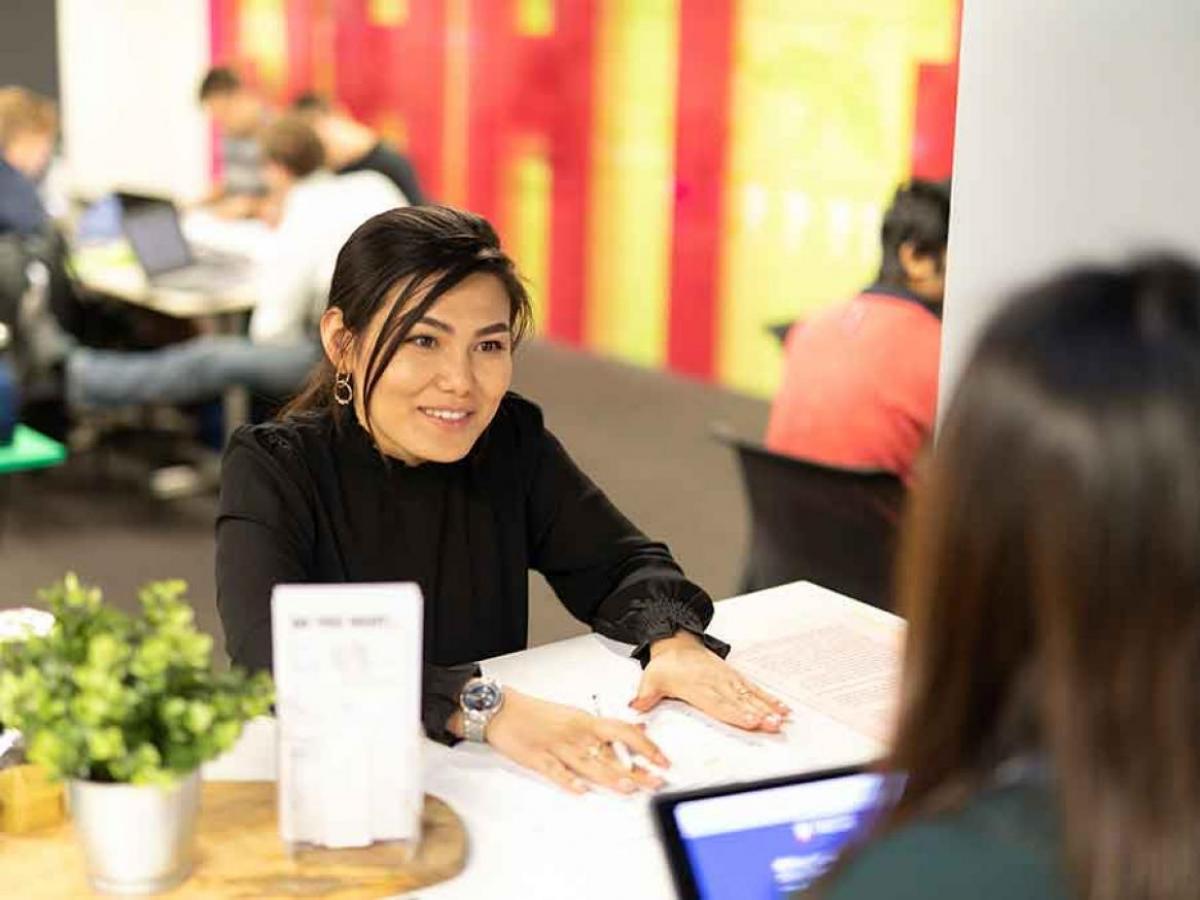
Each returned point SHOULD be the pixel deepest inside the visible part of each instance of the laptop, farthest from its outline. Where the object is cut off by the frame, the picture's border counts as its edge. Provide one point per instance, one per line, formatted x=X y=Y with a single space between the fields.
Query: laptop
x=763 y=840
x=151 y=225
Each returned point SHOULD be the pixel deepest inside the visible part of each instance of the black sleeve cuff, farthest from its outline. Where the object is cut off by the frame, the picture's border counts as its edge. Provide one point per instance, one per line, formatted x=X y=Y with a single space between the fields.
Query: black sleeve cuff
x=642 y=651
x=655 y=610
x=439 y=698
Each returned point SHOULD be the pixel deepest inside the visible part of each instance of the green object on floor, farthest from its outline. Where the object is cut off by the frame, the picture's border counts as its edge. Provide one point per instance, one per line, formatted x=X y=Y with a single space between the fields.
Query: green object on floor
x=30 y=450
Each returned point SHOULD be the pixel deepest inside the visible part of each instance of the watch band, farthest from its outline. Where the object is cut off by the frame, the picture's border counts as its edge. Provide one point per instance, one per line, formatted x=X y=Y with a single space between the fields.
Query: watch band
x=475 y=726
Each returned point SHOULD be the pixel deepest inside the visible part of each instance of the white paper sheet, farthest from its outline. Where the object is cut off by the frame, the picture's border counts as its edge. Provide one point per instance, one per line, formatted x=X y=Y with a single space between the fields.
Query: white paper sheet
x=842 y=669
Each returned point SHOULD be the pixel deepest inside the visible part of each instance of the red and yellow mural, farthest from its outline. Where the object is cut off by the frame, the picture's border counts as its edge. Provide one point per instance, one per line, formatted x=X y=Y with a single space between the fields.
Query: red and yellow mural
x=670 y=175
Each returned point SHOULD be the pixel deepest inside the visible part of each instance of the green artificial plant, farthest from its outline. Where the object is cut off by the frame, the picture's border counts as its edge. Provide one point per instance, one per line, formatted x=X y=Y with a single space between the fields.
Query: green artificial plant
x=109 y=697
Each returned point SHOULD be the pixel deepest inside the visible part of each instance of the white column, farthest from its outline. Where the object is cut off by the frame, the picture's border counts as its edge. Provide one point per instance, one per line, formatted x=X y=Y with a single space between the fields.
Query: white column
x=1078 y=138
x=128 y=71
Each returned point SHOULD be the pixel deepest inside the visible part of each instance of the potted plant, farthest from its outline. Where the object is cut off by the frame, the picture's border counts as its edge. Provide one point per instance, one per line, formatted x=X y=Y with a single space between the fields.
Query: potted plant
x=126 y=709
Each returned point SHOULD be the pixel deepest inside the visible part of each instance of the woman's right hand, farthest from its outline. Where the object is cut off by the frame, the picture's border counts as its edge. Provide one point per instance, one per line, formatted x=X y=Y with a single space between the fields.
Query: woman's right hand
x=570 y=747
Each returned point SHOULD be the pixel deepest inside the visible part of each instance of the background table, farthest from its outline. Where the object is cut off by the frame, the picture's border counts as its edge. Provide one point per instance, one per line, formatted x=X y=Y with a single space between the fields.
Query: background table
x=111 y=269
x=531 y=840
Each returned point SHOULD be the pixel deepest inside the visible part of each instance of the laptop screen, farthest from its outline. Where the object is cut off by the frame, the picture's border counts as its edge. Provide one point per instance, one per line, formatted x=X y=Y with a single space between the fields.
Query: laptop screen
x=153 y=231
x=765 y=842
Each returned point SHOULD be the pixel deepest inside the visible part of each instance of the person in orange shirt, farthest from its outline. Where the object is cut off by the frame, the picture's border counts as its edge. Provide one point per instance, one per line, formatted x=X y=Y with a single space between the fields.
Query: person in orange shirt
x=860 y=379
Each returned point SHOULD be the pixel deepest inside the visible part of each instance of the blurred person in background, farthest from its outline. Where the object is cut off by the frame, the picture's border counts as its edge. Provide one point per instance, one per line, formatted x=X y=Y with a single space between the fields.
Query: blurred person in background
x=351 y=146
x=1048 y=732
x=39 y=304
x=319 y=210
x=860 y=379
x=28 y=129
x=239 y=114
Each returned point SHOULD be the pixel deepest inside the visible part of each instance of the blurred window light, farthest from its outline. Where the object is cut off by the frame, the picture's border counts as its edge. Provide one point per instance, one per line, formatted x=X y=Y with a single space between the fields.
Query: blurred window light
x=797 y=213
x=387 y=13
x=756 y=204
x=535 y=18
x=841 y=223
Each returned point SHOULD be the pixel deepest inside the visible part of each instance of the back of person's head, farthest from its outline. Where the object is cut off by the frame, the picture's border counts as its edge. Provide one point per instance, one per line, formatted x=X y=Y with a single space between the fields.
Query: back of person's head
x=916 y=224
x=290 y=143
x=219 y=81
x=28 y=123
x=234 y=107
x=311 y=104
x=1051 y=577
x=392 y=270
x=22 y=111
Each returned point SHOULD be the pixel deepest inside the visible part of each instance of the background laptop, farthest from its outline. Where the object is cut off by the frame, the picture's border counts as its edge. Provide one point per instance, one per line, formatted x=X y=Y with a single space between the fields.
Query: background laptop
x=151 y=224
x=763 y=840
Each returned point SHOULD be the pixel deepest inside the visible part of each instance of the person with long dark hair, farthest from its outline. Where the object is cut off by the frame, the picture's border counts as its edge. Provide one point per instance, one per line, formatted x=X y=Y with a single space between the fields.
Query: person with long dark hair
x=406 y=458
x=1050 y=574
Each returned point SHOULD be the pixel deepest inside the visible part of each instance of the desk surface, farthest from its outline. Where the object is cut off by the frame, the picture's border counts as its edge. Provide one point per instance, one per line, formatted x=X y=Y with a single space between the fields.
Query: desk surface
x=30 y=450
x=531 y=840
x=111 y=269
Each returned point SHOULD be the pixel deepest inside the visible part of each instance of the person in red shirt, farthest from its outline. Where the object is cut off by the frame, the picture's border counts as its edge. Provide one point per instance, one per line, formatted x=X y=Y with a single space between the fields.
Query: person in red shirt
x=860 y=379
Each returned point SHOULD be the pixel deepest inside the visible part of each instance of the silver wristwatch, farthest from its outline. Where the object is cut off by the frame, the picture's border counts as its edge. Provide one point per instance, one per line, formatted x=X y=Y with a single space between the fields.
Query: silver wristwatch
x=480 y=700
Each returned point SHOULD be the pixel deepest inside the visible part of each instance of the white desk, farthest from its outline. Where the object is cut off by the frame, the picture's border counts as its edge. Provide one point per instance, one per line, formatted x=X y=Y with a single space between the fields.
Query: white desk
x=531 y=840
x=126 y=282
x=112 y=270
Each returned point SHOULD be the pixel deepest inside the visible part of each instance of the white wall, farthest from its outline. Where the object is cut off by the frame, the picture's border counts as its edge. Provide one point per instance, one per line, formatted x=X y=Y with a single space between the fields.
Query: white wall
x=1078 y=137
x=128 y=71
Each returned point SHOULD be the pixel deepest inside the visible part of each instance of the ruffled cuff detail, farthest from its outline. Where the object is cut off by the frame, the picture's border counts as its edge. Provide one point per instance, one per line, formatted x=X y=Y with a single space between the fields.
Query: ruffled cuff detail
x=644 y=620
x=642 y=651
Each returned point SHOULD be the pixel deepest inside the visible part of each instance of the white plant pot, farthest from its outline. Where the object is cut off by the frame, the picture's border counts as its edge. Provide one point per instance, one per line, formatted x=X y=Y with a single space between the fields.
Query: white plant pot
x=137 y=839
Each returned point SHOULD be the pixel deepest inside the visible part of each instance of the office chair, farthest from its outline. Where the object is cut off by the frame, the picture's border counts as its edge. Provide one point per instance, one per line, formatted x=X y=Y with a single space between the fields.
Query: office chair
x=832 y=526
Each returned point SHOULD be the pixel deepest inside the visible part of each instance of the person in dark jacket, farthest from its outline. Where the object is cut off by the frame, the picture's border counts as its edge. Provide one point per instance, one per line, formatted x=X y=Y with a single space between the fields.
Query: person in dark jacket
x=407 y=459
x=28 y=125
x=1046 y=746
x=350 y=146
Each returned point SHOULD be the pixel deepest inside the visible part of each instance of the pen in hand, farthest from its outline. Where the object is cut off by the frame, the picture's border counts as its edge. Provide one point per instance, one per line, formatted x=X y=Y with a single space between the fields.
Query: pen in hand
x=619 y=748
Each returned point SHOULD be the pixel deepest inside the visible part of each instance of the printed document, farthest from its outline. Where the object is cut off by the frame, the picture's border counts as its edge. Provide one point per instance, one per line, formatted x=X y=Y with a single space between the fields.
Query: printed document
x=839 y=668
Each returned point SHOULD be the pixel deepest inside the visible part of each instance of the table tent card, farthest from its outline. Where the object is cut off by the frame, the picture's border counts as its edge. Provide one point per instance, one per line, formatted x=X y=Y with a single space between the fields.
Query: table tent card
x=348 y=700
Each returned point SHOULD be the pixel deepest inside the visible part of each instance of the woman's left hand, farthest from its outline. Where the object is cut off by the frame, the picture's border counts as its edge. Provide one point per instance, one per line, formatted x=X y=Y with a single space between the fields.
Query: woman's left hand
x=683 y=668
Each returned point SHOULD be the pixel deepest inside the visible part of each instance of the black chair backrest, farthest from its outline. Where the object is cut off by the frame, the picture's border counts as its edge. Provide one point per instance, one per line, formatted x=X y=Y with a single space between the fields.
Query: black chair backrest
x=832 y=526
x=779 y=330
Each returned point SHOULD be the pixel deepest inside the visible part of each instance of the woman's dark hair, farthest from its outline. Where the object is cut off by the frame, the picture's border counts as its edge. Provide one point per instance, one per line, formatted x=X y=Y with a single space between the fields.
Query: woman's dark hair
x=1050 y=574
x=919 y=215
x=424 y=251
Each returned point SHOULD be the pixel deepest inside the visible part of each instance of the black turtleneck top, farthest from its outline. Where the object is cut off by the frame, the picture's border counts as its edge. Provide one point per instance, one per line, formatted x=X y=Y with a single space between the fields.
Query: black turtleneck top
x=310 y=499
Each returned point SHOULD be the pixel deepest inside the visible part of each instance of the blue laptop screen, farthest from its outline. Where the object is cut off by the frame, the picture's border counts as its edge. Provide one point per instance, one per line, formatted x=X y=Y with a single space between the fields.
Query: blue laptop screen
x=767 y=844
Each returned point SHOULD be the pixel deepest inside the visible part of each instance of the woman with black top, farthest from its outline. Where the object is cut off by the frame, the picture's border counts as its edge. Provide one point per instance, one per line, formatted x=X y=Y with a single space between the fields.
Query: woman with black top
x=407 y=459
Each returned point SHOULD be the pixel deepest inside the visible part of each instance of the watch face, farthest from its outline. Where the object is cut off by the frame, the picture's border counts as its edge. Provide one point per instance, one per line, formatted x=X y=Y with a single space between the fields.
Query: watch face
x=482 y=696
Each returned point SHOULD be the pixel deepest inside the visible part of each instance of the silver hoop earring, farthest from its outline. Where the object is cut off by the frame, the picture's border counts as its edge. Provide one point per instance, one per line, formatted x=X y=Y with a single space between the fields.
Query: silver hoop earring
x=343 y=390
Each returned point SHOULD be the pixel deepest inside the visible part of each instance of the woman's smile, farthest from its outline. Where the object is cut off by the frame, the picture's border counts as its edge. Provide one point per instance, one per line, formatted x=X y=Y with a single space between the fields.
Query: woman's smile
x=447 y=417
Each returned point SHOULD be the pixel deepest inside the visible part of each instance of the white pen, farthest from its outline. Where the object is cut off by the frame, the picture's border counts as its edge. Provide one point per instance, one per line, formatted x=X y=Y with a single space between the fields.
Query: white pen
x=619 y=747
